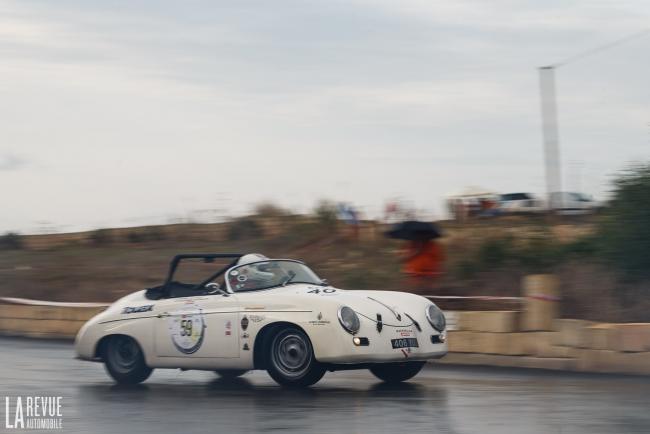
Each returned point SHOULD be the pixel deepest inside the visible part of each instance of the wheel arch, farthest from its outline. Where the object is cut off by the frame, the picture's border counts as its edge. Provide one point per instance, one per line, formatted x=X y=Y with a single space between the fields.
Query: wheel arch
x=263 y=338
x=101 y=344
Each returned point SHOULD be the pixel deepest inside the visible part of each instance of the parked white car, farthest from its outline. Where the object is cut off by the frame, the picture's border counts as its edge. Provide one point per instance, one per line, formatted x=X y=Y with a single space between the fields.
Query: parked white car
x=260 y=313
x=518 y=203
x=564 y=202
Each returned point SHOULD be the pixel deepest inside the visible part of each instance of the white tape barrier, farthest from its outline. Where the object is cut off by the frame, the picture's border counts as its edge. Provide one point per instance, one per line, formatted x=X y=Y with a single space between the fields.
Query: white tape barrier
x=27 y=301
x=474 y=297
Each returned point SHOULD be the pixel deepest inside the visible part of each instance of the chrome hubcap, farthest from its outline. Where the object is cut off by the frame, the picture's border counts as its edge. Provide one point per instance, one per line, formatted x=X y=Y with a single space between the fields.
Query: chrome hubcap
x=292 y=355
x=124 y=354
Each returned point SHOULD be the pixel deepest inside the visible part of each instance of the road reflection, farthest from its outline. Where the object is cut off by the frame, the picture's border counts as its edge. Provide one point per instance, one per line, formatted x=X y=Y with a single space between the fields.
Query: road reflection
x=241 y=403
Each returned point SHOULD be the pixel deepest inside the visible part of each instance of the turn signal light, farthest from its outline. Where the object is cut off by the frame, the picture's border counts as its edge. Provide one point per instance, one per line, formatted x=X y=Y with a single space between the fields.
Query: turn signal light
x=360 y=342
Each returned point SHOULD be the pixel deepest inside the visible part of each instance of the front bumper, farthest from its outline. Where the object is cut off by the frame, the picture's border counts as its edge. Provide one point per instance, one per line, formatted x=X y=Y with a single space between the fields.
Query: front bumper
x=341 y=349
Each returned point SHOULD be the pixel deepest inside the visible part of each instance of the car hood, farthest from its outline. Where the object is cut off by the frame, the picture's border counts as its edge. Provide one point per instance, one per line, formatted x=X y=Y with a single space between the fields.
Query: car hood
x=394 y=307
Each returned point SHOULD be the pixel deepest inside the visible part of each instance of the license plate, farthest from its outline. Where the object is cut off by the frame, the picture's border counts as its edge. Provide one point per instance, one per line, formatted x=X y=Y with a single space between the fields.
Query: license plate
x=404 y=343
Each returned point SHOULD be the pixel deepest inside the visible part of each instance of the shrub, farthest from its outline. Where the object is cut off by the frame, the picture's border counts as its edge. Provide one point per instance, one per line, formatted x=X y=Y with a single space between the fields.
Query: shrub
x=245 y=227
x=494 y=252
x=149 y=233
x=539 y=254
x=268 y=209
x=625 y=230
x=326 y=213
x=11 y=241
x=101 y=237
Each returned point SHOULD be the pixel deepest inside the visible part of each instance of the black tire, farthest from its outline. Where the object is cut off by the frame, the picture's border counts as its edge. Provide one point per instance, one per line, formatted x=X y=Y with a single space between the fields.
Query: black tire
x=230 y=373
x=290 y=359
x=124 y=361
x=396 y=372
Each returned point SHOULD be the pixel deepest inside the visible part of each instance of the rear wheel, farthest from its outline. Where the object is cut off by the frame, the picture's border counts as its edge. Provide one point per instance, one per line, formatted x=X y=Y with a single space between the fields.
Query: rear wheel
x=124 y=360
x=231 y=373
x=396 y=372
x=291 y=359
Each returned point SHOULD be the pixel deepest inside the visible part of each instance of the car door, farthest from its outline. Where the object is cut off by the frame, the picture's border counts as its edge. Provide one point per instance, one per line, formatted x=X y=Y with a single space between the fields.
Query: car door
x=201 y=326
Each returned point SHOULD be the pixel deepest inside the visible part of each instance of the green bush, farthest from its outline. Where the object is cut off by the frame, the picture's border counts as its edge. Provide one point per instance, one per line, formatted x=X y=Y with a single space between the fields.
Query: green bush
x=101 y=237
x=494 y=252
x=625 y=230
x=11 y=241
x=269 y=209
x=243 y=228
x=149 y=233
x=326 y=213
x=539 y=254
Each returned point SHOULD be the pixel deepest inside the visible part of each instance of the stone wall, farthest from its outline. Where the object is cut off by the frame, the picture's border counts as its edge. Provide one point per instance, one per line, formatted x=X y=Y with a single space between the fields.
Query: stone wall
x=498 y=338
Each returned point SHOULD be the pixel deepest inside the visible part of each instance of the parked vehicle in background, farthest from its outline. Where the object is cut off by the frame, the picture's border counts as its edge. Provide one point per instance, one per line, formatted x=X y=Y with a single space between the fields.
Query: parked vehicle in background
x=473 y=202
x=572 y=203
x=516 y=203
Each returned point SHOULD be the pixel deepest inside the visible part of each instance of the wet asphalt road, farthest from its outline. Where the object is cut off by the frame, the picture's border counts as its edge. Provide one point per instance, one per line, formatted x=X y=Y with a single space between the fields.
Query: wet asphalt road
x=440 y=399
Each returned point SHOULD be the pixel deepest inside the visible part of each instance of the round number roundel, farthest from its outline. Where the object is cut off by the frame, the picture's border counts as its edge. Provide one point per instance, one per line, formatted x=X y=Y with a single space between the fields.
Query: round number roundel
x=187 y=328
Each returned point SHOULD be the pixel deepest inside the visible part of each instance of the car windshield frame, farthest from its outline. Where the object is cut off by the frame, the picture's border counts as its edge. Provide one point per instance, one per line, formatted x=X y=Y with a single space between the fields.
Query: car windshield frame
x=319 y=281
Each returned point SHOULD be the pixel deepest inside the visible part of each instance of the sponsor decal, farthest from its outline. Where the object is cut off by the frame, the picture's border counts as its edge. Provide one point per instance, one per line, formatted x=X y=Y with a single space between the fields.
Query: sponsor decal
x=137 y=309
x=244 y=323
x=321 y=291
x=34 y=412
x=256 y=318
x=319 y=320
x=246 y=347
x=245 y=335
x=228 y=328
x=404 y=332
x=187 y=328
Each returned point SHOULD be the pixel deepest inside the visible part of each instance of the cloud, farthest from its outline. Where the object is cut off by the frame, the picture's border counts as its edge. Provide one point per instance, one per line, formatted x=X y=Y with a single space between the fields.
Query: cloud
x=11 y=162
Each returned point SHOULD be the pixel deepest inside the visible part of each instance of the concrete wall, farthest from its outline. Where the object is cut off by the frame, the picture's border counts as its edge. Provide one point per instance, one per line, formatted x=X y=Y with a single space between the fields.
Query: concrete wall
x=45 y=321
x=498 y=338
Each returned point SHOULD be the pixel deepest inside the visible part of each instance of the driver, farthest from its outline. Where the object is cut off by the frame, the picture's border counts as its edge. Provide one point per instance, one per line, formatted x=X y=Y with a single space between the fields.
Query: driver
x=260 y=275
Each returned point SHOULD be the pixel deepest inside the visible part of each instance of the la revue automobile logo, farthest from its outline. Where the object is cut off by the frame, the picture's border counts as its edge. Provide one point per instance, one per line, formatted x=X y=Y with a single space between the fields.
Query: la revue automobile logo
x=34 y=412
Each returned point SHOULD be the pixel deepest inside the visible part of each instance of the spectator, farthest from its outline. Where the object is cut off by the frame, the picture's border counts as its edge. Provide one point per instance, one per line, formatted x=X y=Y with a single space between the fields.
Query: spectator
x=423 y=260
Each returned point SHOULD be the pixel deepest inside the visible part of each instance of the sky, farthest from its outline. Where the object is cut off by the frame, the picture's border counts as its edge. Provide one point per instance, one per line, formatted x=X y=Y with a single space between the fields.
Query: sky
x=123 y=113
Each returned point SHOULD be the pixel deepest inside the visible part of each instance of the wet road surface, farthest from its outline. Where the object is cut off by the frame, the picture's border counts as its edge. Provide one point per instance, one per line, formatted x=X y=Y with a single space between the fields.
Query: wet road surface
x=440 y=399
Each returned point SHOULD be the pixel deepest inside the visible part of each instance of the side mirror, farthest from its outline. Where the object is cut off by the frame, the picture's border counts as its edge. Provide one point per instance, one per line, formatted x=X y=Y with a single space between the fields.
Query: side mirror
x=215 y=288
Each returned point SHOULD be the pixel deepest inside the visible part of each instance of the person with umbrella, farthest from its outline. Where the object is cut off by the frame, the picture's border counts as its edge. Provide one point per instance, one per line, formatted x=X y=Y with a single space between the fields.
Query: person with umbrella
x=424 y=256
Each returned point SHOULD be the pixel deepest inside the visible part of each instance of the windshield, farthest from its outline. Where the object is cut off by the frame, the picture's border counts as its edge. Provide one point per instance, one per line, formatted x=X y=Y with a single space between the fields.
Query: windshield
x=269 y=274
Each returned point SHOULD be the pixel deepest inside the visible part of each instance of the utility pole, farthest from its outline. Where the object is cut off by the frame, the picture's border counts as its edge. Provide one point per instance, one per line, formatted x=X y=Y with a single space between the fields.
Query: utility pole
x=550 y=134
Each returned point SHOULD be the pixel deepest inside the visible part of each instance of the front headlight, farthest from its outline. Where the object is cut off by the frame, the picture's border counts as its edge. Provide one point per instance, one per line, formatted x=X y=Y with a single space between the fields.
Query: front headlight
x=349 y=319
x=435 y=317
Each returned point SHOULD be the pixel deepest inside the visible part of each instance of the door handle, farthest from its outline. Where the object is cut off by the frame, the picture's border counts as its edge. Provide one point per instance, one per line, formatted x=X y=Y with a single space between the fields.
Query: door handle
x=163 y=315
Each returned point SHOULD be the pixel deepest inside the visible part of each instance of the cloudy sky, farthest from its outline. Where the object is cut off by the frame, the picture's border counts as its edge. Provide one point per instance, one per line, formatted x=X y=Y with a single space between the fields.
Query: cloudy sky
x=123 y=112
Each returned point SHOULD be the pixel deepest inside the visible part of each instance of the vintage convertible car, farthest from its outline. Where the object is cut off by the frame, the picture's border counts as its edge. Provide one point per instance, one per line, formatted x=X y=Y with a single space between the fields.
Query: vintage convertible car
x=260 y=313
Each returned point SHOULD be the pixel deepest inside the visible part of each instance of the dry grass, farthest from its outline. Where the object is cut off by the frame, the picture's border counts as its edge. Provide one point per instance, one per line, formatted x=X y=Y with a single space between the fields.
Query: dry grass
x=87 y=272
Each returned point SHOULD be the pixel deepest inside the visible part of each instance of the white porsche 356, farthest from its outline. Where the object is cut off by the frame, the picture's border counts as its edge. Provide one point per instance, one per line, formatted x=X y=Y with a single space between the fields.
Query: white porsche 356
x=260 y=313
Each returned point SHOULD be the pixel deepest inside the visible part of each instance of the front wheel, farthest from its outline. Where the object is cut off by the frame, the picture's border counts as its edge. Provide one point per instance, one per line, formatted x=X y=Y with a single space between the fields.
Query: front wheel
x=396 y=372
x=124 y=360
x=291 y=359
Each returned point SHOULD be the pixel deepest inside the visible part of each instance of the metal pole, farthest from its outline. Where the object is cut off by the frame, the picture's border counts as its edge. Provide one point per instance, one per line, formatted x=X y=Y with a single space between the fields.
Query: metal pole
x=550 y=135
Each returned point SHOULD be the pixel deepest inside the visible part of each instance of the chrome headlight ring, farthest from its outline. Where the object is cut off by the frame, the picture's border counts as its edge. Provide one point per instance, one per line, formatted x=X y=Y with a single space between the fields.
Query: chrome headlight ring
x=349 y=320
x=435 y=317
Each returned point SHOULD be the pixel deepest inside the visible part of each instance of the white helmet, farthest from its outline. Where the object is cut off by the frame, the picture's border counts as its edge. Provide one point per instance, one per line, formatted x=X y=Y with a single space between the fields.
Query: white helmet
x=251 y=257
